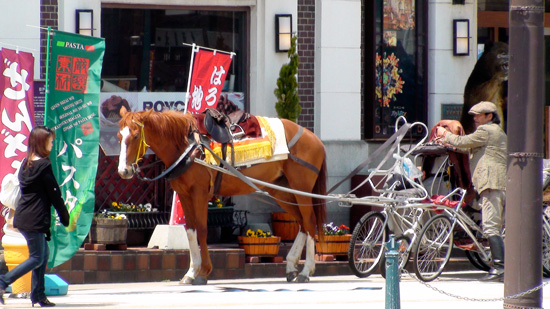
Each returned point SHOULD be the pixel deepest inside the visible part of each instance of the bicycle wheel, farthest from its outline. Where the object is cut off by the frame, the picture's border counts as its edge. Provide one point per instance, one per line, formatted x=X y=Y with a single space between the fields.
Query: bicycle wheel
x=403 y=242
x=477 y=260
x=433 y=249
x=545 y=246
x=367 y=243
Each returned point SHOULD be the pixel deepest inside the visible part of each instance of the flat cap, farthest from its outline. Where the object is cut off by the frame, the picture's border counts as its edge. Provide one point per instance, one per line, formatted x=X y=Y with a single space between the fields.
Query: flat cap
x=483 y=107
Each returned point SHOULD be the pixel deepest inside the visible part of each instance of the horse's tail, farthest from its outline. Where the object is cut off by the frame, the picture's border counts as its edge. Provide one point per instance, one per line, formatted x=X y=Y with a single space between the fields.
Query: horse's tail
x=320 y=207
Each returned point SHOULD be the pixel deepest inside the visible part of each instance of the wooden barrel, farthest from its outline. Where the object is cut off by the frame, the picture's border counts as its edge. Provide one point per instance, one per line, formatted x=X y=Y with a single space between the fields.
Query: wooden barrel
x=284 y=226
x=333 y=244
x=260 y=246
x=108 y=231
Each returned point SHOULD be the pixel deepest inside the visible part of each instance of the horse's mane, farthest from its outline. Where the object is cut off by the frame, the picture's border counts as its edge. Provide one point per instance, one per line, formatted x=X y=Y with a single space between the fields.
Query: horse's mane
x=172 y=126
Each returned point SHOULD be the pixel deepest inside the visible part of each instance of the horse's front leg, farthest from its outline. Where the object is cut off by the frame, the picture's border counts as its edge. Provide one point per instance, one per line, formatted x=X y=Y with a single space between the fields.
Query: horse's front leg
x=200 y=264
x=206 y=262
x=293 y=256
x=194 y=257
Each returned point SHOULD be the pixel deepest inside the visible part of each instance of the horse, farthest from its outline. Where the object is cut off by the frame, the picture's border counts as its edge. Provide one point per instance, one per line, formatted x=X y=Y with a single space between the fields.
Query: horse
x=169 y=133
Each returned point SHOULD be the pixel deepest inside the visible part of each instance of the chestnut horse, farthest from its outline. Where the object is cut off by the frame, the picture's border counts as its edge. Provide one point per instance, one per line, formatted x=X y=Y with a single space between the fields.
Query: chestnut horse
x=167 y=133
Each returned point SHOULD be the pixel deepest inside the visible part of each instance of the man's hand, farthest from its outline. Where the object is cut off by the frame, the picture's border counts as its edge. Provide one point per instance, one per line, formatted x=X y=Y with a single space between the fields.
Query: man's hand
x=440 y=132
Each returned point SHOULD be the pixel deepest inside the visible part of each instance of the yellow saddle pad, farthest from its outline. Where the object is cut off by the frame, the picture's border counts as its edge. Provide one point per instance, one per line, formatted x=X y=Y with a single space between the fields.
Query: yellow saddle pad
x=249 y=150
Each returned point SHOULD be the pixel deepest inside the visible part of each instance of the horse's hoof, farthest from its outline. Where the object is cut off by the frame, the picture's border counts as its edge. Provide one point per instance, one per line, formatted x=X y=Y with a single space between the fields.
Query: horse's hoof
x=187 y=280
x=291 y=276
x=200 y=281
x=302 y=279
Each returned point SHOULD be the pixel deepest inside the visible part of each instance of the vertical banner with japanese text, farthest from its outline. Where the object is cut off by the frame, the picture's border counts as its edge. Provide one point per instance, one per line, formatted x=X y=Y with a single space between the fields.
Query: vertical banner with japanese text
x=72 y=112
x=16 y=110
x=209 y=71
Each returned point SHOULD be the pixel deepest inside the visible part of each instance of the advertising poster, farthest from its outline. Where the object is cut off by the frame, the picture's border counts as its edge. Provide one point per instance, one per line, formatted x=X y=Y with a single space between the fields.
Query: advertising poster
x=72 y=112
x=209 y=72
x=16 y=111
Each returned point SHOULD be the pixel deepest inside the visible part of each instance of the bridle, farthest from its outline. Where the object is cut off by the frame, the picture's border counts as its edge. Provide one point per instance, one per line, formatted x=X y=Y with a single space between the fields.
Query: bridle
x=143 y=146
x=171 y=172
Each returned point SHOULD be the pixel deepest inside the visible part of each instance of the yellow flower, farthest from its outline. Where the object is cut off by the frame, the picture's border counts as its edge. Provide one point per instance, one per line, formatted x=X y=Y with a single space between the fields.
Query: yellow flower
x=114 y=204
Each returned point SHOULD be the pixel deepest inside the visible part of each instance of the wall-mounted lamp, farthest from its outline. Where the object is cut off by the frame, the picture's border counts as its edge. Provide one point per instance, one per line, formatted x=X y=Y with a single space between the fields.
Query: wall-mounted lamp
x=85 y=22
x=283 y=32
x=461 y=37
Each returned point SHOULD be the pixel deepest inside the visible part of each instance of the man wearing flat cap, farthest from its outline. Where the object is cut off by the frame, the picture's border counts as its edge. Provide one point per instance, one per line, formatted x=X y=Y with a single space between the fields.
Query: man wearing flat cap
x=487 y=146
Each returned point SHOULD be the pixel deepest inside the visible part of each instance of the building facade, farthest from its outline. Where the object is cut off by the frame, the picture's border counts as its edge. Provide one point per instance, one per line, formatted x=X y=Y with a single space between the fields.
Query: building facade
x=362 y=63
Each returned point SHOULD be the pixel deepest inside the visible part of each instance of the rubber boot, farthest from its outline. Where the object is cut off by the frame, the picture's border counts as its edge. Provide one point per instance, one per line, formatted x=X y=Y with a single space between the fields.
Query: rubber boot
x=497 y=252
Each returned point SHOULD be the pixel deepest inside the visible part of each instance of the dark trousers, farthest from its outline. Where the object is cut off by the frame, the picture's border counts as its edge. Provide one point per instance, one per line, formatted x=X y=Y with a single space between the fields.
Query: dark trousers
x=37 y=262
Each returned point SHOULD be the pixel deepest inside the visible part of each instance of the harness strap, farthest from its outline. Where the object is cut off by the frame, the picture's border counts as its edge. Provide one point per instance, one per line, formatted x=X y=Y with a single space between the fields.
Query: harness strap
x=304 y=163
x=233 y=170
x=291 y=144
x=296 y=137
x=192 y=146
x=395 y=139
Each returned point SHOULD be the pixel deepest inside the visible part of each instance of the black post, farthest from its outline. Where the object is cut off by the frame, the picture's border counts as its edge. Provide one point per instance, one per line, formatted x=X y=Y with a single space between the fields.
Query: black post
x=523 y=260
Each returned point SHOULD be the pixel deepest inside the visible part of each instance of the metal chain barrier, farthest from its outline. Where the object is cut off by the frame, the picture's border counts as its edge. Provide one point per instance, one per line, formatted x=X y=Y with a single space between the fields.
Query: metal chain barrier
x=476 y=299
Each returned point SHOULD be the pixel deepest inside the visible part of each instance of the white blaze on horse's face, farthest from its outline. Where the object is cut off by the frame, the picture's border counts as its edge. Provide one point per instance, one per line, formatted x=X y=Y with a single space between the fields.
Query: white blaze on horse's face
x=124 y=170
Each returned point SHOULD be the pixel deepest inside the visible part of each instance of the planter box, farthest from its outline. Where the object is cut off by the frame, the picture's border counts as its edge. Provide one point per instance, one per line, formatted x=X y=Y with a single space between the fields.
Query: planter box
x=108 y=231
x=260 y=246
x=284 y=226
x=333 y=244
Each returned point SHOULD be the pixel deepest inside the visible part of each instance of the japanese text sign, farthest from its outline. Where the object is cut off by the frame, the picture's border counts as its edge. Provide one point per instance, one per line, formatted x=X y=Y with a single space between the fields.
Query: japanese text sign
x=16 y=108
x=209 y=71
x=72 y=110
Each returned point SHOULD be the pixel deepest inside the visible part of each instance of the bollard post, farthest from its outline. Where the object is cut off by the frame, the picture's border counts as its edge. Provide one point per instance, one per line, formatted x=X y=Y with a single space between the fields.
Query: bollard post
x=392 y=275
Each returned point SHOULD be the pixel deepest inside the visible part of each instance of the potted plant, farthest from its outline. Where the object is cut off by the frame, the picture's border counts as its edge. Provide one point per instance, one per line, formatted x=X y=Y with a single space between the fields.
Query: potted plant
x=336 y=240
x=142 y=220
x=288 y=103
x=259 y=243
x=284 y=225
x=109 y=228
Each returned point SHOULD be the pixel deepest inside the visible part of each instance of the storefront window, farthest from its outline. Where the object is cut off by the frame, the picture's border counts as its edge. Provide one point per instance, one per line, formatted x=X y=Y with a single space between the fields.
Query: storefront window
x=399 y=77
x=147 y=61
x=146 y=48
x=499 y=5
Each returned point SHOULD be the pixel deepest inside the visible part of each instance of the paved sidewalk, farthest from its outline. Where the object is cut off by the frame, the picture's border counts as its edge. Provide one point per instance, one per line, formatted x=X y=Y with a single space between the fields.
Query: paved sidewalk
x=321 y=292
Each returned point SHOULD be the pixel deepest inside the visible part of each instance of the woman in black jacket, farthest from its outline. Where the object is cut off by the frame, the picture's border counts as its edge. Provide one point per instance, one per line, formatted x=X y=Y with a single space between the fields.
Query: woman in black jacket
x=39 y=191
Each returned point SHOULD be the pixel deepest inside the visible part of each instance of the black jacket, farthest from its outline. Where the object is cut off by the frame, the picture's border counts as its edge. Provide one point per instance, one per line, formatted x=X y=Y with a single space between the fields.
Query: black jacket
x=39 y=191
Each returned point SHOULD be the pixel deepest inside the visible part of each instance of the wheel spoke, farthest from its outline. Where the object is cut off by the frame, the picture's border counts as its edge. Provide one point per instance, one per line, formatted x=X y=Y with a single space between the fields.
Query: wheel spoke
x=434 y=248
x=367 y=244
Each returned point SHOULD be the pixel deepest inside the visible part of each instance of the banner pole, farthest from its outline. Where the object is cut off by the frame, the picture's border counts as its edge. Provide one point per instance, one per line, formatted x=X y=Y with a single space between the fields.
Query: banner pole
x=47 y=73
x=194 y=46
x=211 y=49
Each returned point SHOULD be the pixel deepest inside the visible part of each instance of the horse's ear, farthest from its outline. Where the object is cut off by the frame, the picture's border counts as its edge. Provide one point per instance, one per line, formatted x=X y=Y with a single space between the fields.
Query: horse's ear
x=123 y=111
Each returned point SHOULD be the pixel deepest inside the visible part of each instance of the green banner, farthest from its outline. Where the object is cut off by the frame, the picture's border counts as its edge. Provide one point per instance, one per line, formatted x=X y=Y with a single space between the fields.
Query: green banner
x=72 y=112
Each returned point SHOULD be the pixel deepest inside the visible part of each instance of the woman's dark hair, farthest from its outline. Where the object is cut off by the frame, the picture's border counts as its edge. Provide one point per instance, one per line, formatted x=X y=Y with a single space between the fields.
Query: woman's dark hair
x=38 y=142
x=496 y=118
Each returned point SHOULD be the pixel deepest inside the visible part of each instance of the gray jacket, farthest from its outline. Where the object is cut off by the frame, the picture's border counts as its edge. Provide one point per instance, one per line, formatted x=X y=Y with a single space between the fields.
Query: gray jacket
x=488 y=151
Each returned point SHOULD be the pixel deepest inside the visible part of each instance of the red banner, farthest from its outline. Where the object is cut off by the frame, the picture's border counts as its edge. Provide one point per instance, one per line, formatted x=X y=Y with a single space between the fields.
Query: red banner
x=209 y=72
x=176 y=216
x=16 y=109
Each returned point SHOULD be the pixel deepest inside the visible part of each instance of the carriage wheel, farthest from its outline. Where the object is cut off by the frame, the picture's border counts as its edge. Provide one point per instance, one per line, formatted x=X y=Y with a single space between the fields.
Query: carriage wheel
x=367 y=243
x=433 y=248
x=477 y=260
x=403 y=243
